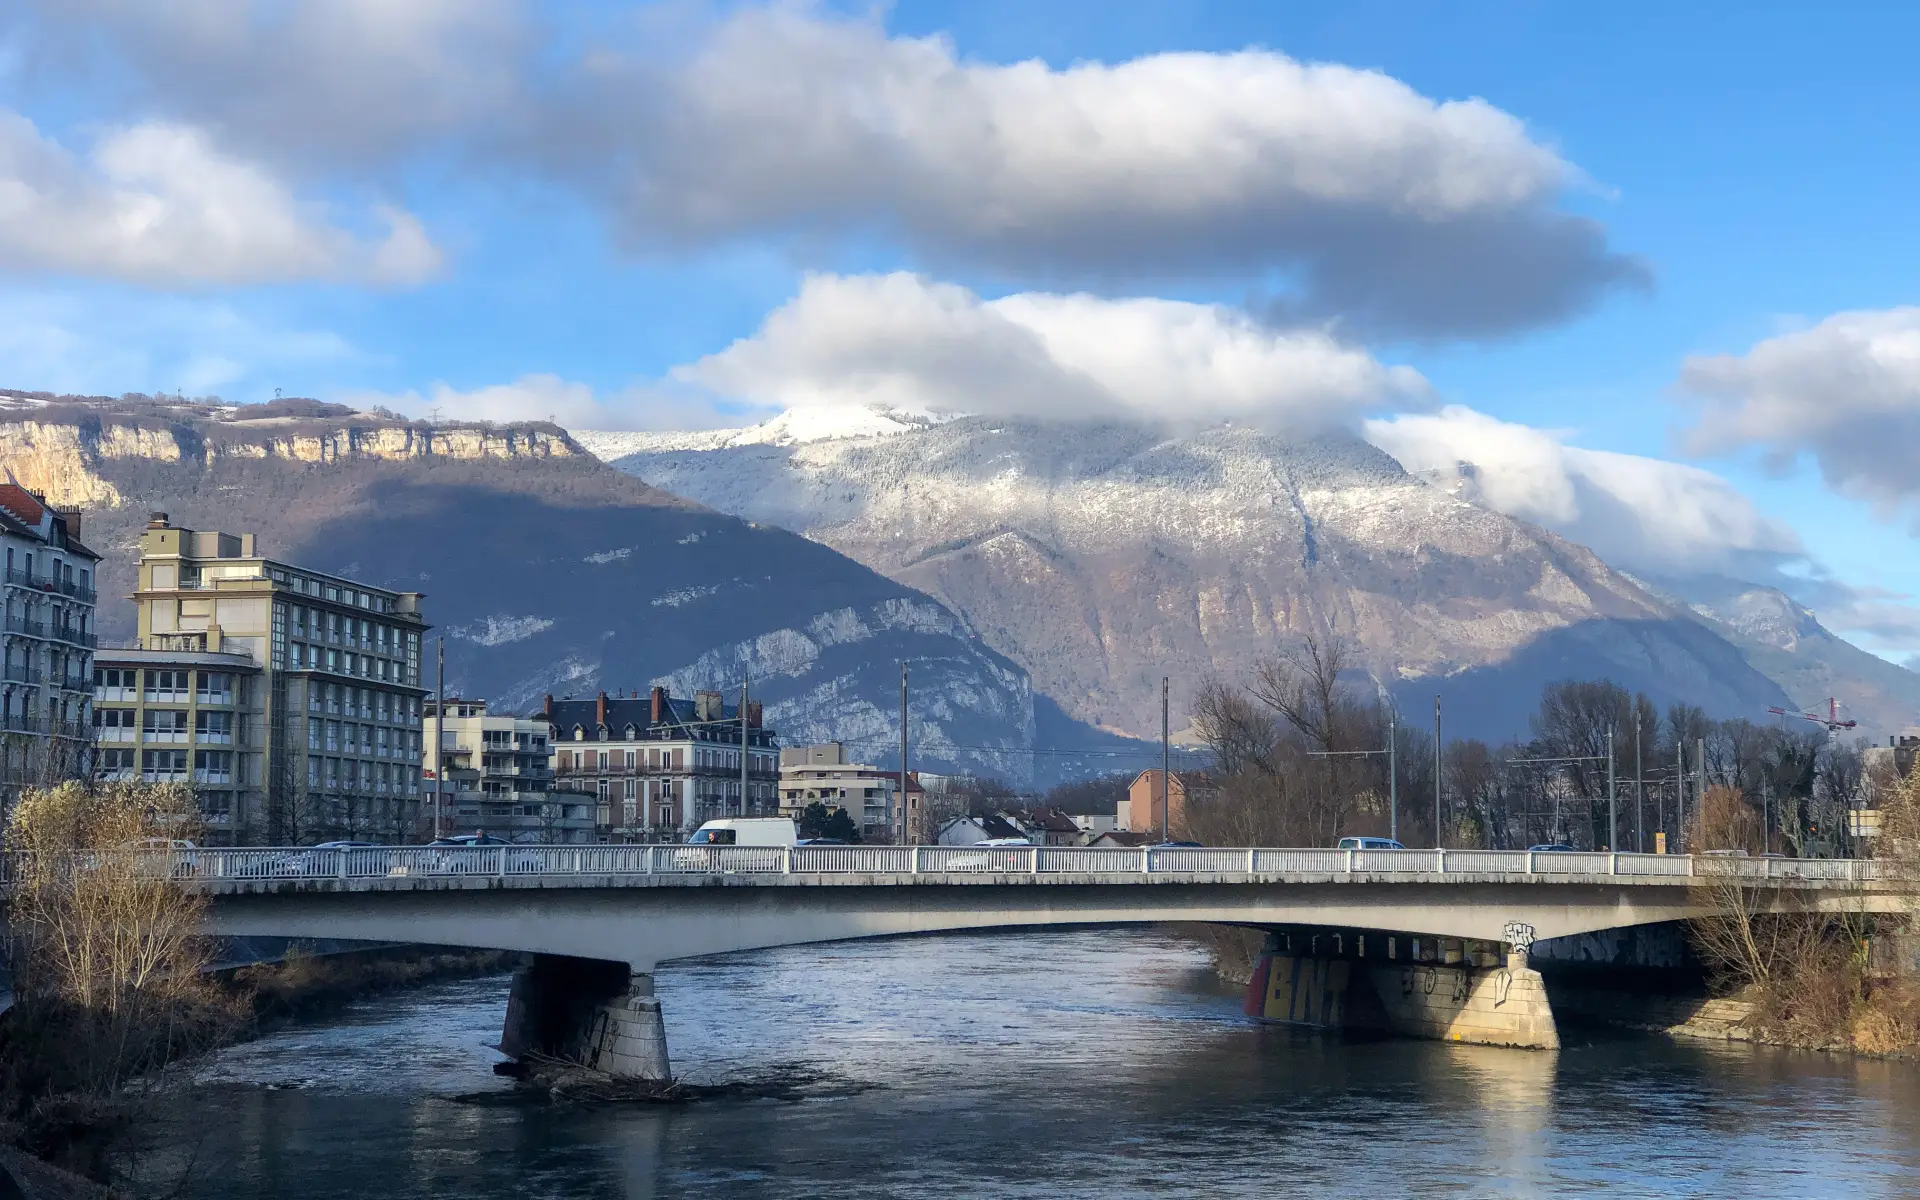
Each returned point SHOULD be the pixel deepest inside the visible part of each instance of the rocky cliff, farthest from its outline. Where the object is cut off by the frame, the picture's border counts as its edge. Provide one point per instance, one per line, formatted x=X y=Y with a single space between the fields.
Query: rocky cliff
x=546 y=570
x=1102 y=557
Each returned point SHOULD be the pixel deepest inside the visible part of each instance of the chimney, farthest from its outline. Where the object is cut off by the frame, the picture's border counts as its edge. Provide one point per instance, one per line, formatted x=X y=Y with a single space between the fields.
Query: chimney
x=753 y=714
x=546 y=707
x=158 y=520
x=600 y=709
x=659 y=704
x=72 y=517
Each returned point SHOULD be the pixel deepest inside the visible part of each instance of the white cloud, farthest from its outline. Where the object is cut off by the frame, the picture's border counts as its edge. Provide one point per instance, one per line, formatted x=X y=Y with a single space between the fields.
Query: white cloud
x=94 y=339
x=1392 y=207
x=902 y=341
x=1845 y=392
x=298 y=81
x=157 y=204
x=1639 y=513
x=546 y=397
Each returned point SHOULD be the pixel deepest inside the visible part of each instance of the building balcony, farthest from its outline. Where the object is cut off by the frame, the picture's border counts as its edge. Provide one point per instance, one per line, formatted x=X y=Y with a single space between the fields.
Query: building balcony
x=214 y=777
x=207 y=699
x=213 y=737
x=25 y=628
x=20 y=674
x=73 y=637
x=164 y=737
x=117 y=733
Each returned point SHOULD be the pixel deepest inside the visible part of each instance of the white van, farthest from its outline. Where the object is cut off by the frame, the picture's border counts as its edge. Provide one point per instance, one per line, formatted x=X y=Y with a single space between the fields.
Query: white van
x=746 y=831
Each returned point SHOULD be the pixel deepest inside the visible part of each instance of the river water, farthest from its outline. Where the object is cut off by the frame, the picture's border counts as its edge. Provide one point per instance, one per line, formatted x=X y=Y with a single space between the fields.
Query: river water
x=1086 y=1063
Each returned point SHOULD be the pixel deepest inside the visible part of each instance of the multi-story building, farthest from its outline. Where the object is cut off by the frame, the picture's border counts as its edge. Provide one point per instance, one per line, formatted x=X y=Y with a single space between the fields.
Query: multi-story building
x=489 y=772
x=46 y=668
x=823 y=775
x=659 y=766
x=312 y=680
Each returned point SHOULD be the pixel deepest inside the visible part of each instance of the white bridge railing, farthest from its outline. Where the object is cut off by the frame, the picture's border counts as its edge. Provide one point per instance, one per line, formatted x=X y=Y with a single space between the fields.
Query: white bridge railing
x=1096 y=864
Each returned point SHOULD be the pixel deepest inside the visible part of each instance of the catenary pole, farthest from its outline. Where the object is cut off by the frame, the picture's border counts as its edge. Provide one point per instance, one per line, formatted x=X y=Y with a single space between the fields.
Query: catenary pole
x=903 y=753
x=743 y=748
x=1166 y=767
x=1393 y=777
x=1437 y=841
x=1613 y=814
x=439 y=729
x=1639 y=789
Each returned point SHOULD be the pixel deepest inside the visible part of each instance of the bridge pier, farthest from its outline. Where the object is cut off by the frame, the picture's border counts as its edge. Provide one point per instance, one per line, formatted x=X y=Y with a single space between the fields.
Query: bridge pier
x=591 y=1013
x=1447 y=989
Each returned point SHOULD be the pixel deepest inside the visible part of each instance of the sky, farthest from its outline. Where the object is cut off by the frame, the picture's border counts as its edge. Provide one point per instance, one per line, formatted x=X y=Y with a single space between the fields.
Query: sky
x=1648 y=268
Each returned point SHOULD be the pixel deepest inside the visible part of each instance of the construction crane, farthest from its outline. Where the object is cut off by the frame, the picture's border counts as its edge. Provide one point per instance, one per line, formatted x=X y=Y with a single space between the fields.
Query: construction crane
x=1832 y=720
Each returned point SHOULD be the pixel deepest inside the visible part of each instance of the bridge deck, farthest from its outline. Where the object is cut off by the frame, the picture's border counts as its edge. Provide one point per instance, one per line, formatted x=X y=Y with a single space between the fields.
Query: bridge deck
x=401 y=868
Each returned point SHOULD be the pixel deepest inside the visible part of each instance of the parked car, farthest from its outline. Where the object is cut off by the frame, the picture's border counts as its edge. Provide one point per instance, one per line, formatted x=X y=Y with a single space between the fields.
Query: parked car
x=980 y=856
x=1177 y=846
x=314 y=860
x=1368 y=843
x=823 y=842
x=1552 y=848
x=179 y=856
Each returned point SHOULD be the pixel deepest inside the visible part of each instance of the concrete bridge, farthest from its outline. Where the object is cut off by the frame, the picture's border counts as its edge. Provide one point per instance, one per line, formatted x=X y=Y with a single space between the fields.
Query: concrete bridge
x=599 y=919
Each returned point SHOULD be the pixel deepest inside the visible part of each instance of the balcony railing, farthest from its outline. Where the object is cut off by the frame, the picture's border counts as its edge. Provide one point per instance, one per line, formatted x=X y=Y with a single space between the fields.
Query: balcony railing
x=73 y=637
x=170 y=737
x=20 y=674
x=21 y=625
x=47 y=583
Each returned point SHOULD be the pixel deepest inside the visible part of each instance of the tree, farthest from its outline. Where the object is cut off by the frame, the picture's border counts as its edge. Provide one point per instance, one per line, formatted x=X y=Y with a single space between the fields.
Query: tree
x=819 y=821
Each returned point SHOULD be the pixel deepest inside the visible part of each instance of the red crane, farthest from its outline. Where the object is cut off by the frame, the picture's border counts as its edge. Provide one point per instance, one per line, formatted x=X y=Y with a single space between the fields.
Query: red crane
x=1832 y=720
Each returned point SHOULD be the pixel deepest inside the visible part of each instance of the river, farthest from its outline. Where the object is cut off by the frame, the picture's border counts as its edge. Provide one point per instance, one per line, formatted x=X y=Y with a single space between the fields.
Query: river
x=1087 y=1063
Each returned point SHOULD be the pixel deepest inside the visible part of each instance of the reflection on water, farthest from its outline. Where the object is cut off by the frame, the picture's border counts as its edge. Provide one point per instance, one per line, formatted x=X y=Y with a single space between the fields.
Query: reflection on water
x=1032 y=1064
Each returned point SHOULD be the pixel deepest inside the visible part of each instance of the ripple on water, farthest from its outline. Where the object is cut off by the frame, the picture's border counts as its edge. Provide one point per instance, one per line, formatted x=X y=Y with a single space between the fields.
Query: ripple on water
x=1095 y=1062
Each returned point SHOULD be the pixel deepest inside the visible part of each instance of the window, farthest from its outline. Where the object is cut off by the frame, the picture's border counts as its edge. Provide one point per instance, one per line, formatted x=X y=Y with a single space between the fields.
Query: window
x=164 y=725
x=632 y=757
x=603 y=760
x=313 y=771
x=166 y=685
x=117 y=764
x=213 y=727
x=313 y=734
x=163 y=765
x=333 y=697
x=114 y=724
x=213 y=766
x=213 y=687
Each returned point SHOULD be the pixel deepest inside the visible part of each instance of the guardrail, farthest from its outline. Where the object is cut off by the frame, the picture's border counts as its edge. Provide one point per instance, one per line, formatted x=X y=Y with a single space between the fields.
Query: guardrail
x=1096 y=864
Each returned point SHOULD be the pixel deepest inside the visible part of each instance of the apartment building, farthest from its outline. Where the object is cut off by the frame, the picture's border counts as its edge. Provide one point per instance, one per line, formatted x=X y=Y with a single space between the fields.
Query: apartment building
x=658 y=766
x=46 y=650
x=291 y=697
x=823 y=775
x=491 y=772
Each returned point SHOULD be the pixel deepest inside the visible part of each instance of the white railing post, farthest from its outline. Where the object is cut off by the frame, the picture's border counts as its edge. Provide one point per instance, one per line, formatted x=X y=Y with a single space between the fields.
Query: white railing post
x=1146 y=860
x=1613 y=863
x=786 y=860
x=1349 y=865
x=1690 y=861
x=1529 y=862
x=1250 y=854
x=342 y=853
x=913 y=860
x=1440 y=859
x=502 y=870
x=646 y=856
x=1033 y=866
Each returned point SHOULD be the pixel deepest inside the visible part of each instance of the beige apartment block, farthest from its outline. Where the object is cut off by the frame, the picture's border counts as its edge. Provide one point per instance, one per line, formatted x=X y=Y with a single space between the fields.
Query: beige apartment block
x=290 y=697
x=491 y=772
x=823 y=774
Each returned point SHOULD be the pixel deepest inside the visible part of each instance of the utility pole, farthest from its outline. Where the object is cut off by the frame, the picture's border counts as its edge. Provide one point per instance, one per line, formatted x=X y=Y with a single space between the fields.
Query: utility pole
x=1699 y=775
x=1613 y=815
x=439 y=730
x=903 y=753
x=1639 y=790
x=1393 y=775
x=1166 y=768
x=1437 y=840
x=744 y=811
x=1679 y=786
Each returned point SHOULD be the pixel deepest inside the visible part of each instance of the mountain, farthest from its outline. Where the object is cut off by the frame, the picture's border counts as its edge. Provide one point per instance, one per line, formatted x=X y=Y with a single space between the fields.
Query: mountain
x=546 y=570
x=1786 y=642
x=1101 y=557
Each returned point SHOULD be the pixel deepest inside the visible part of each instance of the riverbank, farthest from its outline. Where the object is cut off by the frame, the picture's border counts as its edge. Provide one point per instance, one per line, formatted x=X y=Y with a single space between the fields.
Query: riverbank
x=94 y=1138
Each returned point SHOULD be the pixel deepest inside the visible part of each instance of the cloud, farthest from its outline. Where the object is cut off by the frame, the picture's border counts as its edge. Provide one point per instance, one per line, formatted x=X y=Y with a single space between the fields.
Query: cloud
x=1845 y=392
x=903 y=341
x=336 y=82
x=157 y=204
x=1639 y=513
x=545 y=397
x=103 y=339
x=1391 y=209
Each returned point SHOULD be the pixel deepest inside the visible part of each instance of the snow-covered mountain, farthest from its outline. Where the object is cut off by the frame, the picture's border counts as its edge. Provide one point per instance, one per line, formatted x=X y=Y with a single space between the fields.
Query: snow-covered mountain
x=1102 y=557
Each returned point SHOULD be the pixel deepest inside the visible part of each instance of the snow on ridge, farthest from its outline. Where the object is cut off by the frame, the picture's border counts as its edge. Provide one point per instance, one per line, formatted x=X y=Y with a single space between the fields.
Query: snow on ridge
x=795 y=427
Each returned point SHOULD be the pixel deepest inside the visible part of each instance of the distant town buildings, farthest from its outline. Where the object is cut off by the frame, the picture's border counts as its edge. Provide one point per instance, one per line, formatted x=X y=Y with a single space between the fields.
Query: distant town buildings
x=1145 y=808
x=289 y=698
x=824 y=775
x=488 y=772
x=46 y=673
x=659 y=765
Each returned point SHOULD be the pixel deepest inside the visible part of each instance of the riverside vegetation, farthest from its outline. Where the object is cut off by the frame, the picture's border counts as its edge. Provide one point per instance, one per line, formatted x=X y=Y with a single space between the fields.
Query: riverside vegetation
x=112 y=996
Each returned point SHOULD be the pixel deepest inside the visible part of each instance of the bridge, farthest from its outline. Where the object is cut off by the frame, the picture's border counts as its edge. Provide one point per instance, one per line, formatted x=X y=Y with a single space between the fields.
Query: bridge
x=599 y=919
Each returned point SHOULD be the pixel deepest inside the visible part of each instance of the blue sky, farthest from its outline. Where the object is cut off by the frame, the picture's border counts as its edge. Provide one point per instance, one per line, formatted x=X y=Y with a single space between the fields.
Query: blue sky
x=464 y=196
